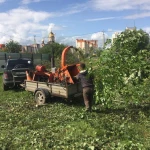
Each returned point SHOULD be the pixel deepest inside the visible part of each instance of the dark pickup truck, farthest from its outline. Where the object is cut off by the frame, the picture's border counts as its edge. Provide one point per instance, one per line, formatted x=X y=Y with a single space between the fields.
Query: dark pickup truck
x=15 y=72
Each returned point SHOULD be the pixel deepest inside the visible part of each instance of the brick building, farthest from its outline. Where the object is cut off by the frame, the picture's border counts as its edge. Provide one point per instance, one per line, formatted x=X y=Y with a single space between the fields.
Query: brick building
x=2 y=46
x=86 y=44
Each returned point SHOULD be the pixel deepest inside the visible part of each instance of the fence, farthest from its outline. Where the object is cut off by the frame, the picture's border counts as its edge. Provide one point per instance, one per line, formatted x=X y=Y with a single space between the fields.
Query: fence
x=36 y=58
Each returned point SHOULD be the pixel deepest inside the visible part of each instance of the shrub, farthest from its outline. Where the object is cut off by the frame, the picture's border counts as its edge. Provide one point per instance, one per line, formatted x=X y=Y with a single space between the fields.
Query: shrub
x=123 y=71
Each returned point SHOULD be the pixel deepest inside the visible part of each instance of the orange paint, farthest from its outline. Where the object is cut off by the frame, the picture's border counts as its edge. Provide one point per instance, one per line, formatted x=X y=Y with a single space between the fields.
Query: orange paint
x=63 y=74
x=28 y=76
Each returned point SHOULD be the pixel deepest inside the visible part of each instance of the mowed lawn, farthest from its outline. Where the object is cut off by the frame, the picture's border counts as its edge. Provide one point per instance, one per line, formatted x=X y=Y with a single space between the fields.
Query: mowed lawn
x=61 y=125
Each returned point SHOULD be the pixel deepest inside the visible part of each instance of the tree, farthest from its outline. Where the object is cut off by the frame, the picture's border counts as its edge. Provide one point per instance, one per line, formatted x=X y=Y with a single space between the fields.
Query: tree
x=53 y=47
x=107 y=44
x=72 y=56
x=133 y=41
x=13 y=47
x=123 y=72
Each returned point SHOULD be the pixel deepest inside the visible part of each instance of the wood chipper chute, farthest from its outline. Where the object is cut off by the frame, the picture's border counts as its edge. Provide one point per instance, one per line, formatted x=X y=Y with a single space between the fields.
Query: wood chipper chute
x=63 y=74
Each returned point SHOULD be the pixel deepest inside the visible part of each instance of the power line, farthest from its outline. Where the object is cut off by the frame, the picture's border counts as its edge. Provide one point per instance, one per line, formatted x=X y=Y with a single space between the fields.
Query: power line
x=92 y=33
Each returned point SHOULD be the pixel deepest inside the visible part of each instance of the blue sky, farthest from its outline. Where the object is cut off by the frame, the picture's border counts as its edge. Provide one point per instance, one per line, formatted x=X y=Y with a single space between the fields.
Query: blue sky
x=70 y=19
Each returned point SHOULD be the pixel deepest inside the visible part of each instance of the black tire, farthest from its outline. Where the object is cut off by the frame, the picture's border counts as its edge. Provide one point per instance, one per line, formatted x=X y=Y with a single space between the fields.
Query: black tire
x=5 y=87
x=41 y=97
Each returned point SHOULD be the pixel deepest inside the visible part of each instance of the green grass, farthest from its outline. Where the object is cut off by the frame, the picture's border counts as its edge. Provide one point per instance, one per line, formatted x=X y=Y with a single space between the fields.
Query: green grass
x=59 y=125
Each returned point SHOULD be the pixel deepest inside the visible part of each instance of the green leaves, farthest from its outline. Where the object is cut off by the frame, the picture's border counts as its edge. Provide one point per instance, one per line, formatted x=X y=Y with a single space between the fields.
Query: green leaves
x=13 y=47
x=55 y=47
x=122 y=70
x=59 y=125
x=134 y=41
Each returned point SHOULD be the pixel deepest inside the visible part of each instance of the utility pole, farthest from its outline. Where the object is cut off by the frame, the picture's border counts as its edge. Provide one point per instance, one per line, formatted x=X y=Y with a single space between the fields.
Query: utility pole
x=52 y=58
x=34 y=43
x=103 y=38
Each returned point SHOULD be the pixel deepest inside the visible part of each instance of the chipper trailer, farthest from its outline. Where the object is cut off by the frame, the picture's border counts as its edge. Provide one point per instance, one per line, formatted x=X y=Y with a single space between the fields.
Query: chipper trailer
x=57 y=83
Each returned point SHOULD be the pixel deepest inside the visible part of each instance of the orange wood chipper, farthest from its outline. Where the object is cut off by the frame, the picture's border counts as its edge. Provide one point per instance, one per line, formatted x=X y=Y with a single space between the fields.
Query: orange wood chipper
x=63 y=74
x=59 y=82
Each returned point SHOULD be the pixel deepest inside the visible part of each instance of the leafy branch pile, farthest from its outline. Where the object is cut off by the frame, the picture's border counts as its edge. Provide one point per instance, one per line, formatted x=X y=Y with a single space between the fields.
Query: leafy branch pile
x=123 y=71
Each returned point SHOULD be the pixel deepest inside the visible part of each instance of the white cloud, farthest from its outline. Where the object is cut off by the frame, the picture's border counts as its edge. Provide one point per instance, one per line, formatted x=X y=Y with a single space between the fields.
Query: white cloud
x=30 y=1
x=52 y=27
x=139 y=15
x=145 y=7
x=66 y=40
x=110 y=30
x=101 y=37
x=97 y=36
x=2 y=1
x=21 y=15
x=33 y=1
x=133 y=16
x=71 y=9
x=101 y=19
x=118 y=5
x=147 y=29
x=22 y=24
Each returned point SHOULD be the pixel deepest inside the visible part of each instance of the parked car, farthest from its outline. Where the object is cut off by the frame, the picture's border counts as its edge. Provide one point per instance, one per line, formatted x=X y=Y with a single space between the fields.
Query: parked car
x=15 y=72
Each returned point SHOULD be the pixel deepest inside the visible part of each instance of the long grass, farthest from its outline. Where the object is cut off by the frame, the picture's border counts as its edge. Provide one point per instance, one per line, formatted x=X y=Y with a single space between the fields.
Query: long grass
x=61 y=125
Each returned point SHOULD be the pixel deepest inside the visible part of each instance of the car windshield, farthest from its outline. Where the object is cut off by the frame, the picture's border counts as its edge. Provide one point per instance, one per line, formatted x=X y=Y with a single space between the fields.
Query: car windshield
x=19 y=64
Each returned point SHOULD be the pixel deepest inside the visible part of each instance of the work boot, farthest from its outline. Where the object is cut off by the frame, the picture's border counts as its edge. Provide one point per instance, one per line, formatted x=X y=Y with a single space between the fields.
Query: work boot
x=88 y=110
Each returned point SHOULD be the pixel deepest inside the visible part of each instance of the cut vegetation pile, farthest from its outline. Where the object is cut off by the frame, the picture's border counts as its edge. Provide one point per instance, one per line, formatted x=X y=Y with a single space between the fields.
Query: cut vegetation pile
x=59 y=125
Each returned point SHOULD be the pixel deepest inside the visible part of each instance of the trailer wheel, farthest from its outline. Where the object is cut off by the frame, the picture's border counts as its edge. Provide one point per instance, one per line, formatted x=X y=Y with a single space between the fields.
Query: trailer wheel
x=40 y=98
